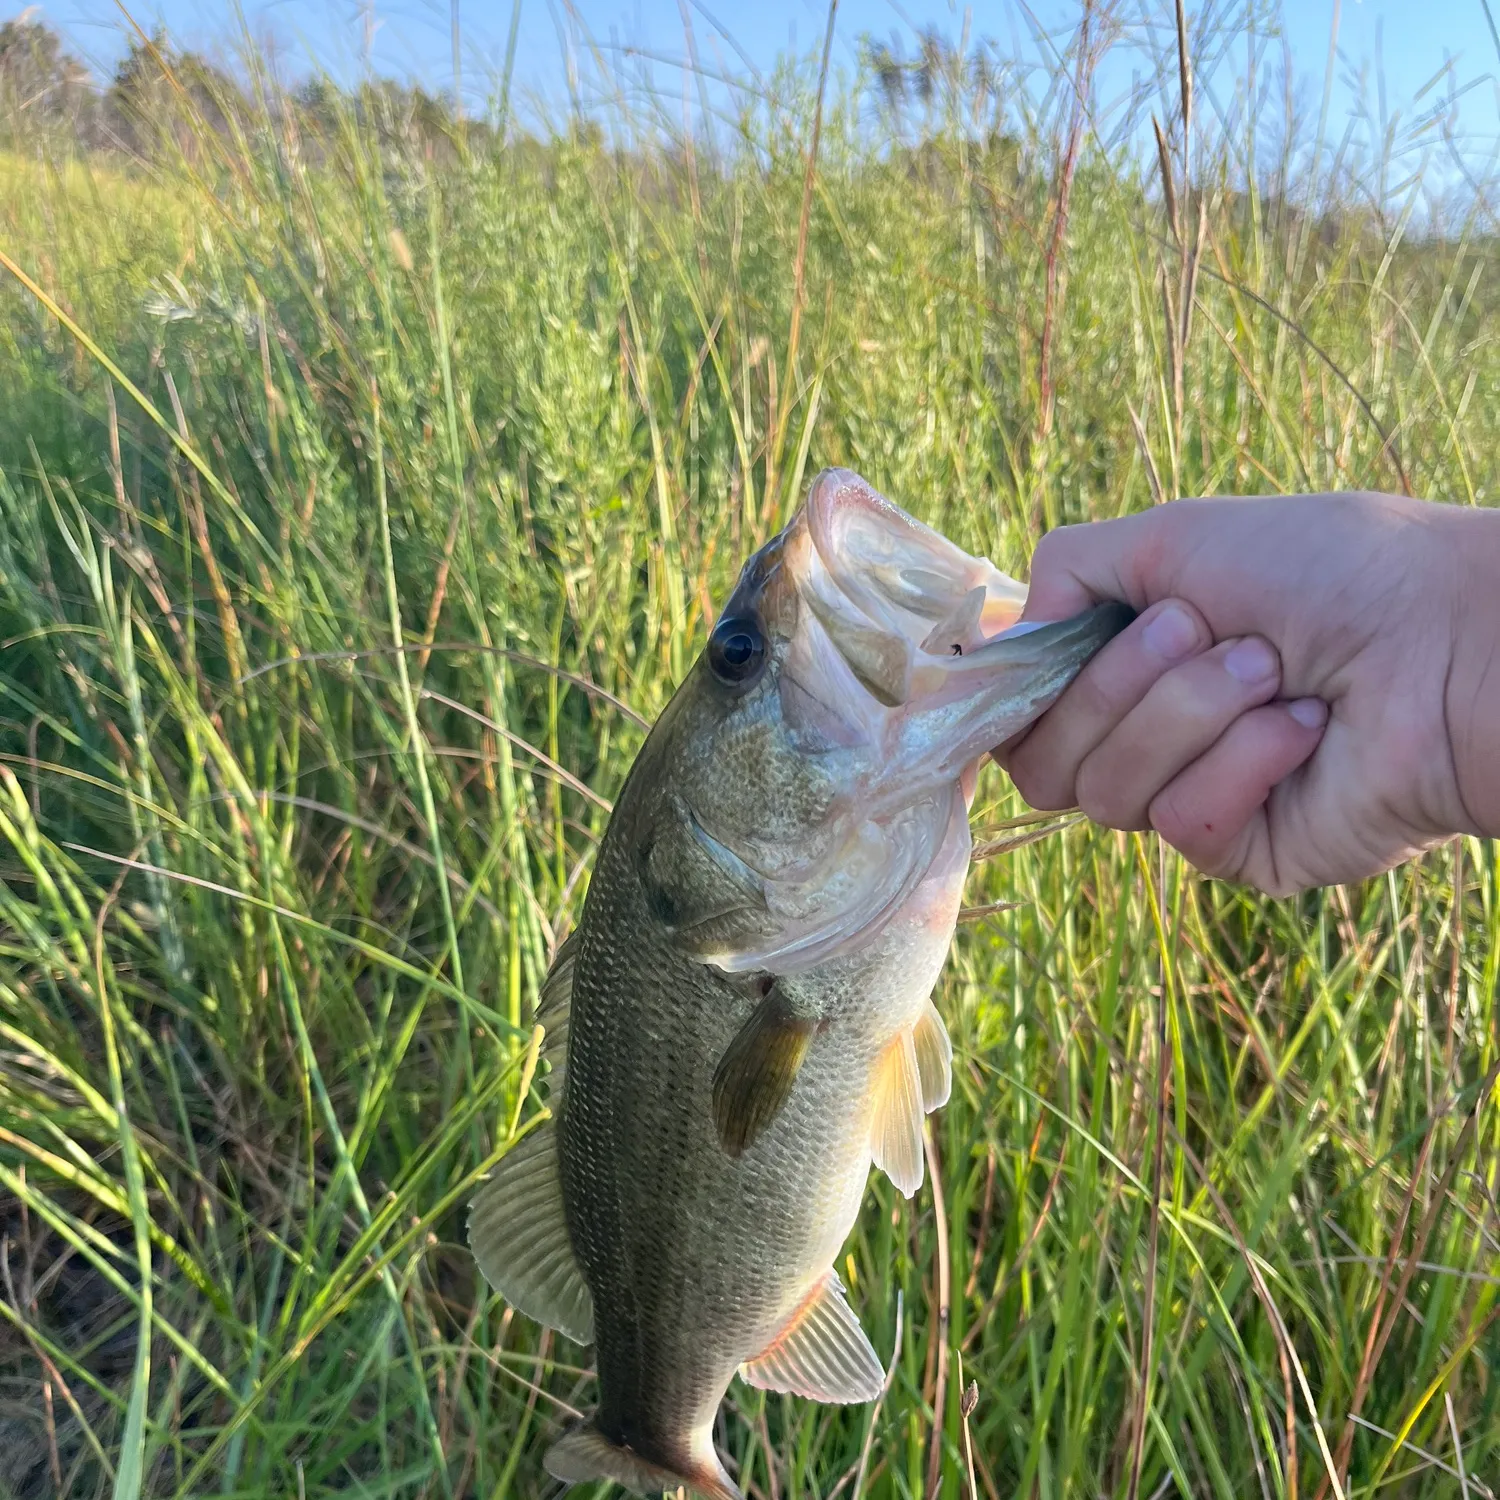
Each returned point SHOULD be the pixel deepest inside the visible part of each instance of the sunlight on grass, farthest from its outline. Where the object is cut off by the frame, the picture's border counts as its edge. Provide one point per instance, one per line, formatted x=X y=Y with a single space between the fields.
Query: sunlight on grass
x=327 y=634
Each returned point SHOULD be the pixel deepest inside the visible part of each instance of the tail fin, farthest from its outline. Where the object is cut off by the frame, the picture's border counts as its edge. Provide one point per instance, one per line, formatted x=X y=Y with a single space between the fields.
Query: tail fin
x=585 y=1454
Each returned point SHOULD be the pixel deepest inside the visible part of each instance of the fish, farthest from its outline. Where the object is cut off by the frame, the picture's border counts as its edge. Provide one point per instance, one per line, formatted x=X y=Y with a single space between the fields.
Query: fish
x=741 y=1024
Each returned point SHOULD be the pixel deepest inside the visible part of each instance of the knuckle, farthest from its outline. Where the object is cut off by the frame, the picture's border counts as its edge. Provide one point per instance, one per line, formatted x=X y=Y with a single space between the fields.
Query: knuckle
x=1047 y=559
x=1158 y=532
x=1101 y=797
x=1221 y=848
x=1183 y=698
x=1042 y=788
x=1092 y=698
x=1207 y=690
x=1276 y=871
x=1213 y=841
x=1054 y=546
x=1172 y=821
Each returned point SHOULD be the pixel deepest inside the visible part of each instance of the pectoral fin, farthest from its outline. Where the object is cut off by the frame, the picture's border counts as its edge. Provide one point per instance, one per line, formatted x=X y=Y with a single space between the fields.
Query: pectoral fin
x=896 y=1115
x=520 y=1238
x=756 y=1073
x=821 y=1354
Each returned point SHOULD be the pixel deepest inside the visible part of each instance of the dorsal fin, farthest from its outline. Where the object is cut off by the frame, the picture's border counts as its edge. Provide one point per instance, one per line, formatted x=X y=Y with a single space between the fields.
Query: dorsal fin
x=520 y=1238
x=822 y=1353
x=934 y=1058
x=896 y=1114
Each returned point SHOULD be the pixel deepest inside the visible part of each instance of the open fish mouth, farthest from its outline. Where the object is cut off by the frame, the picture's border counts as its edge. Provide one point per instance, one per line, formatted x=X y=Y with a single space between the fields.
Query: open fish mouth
x=928 y=631
x=890 y=592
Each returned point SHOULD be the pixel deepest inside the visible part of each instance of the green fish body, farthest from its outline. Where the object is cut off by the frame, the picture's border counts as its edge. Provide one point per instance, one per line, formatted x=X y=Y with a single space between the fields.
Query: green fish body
x=742 y=1022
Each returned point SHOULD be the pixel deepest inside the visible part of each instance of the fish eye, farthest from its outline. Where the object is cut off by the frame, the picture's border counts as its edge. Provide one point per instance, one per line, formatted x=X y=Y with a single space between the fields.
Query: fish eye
x=737 y=650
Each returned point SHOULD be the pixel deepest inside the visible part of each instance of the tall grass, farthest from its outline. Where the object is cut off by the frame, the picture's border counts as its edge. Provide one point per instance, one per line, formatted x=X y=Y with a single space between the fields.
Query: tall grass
x=359 y=504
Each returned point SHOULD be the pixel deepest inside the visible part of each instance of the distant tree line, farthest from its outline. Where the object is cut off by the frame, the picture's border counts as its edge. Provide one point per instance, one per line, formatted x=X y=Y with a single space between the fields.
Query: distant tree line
x=161 y=96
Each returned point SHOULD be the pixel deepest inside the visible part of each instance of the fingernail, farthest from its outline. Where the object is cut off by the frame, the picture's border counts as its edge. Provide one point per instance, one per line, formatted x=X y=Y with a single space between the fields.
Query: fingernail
x=1310 y=713
x=1172 y=634
x=1250 y=661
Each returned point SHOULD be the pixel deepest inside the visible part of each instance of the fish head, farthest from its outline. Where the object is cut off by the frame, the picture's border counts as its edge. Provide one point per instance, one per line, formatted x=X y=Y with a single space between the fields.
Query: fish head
x=827 y=740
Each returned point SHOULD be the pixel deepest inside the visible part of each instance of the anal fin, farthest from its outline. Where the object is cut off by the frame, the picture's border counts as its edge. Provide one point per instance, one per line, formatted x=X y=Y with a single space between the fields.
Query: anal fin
x=756 y=1073
x=896 y=1114
x=519 y=1236
x=821 y=1354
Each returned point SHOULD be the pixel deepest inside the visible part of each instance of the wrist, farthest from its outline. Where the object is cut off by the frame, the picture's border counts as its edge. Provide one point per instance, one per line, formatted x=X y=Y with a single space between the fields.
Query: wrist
x=1471 y=699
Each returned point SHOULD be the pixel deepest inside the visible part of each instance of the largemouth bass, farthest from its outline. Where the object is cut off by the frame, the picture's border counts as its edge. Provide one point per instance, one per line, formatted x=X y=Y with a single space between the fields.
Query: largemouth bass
x=742 y=1022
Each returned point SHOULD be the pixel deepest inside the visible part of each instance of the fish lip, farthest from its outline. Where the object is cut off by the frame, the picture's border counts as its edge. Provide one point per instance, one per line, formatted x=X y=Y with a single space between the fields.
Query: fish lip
x=1054 y=642
x=962 y=709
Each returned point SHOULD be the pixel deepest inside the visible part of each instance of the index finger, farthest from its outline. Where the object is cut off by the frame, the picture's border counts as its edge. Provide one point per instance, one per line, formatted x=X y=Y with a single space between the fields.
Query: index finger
x=1074 y=567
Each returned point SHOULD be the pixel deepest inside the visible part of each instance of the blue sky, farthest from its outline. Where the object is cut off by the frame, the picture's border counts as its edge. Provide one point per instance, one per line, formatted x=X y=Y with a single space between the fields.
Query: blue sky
x=1405 y=43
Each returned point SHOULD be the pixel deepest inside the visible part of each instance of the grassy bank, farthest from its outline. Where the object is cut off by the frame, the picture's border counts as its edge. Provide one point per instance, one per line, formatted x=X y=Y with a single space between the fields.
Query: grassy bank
x=358 y=503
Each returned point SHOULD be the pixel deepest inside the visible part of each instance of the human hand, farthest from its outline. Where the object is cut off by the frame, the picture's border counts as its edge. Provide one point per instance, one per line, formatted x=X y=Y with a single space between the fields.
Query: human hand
x=1310 y=695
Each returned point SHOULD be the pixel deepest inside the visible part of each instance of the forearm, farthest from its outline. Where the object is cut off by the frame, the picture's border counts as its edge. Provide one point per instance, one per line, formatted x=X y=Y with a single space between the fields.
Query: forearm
x=1472 y=698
